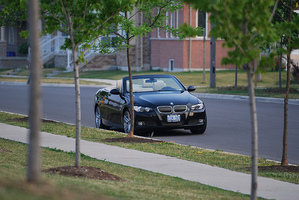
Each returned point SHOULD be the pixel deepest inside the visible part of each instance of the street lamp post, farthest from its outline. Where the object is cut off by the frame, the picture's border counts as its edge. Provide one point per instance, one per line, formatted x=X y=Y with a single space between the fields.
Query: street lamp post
x=204 y=56
x=213 y=62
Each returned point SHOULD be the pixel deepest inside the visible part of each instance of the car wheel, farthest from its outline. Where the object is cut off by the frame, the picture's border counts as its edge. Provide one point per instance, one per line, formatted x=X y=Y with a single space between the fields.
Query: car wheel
x=98 y=118
x=127 y=121
x=199 y=130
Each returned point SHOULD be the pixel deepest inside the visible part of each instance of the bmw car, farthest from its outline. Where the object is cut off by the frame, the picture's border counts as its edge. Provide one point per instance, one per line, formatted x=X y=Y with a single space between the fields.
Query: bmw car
x=160 y=102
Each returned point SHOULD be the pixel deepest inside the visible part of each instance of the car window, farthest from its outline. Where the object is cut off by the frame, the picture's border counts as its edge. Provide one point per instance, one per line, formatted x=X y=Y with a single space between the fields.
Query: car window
x=154 y=84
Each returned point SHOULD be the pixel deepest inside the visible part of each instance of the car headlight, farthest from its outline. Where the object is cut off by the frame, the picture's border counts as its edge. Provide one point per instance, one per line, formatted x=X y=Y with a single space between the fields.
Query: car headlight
x=142 y=109
x=197 y=107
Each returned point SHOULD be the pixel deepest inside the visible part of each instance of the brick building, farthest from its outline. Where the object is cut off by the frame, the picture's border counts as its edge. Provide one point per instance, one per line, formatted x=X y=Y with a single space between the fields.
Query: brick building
x=158 y=50
x=169 y=53
x=10 y=41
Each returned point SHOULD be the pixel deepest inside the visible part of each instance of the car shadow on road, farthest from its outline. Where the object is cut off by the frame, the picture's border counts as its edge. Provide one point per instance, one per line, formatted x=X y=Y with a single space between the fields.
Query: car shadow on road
x=159 y=133
x=166 y=133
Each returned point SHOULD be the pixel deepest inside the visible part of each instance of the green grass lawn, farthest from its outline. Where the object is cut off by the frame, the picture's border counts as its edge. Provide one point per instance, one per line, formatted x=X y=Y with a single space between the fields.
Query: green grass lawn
x=225 y=81
x=136 y=184
x=218 y=158
x=223 y=78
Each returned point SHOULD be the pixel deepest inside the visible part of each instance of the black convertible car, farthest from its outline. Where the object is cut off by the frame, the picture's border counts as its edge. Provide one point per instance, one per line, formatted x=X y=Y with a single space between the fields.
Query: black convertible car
x=160 y=102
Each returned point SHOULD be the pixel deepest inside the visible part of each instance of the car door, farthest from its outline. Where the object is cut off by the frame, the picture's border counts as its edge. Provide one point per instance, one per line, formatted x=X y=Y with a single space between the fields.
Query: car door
x=114 y=104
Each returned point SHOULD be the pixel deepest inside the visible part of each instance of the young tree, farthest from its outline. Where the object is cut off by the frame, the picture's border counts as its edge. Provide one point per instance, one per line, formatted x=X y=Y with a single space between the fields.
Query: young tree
x=154 y=12
x=286 y=22
x=84 y=21
x=244 y=25
x=33 y=170
x=14 y=13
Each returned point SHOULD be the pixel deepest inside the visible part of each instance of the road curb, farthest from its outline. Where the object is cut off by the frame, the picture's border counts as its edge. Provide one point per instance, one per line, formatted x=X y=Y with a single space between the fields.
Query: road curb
x=199 y=95
x=245 y=98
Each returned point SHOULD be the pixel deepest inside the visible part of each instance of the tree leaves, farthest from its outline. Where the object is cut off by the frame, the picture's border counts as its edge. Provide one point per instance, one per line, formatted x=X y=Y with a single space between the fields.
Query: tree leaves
x=12 y=12
x=242 y=24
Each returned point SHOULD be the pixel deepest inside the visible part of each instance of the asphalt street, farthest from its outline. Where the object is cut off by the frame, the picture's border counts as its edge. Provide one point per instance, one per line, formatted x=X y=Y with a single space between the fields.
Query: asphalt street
x=228 y=120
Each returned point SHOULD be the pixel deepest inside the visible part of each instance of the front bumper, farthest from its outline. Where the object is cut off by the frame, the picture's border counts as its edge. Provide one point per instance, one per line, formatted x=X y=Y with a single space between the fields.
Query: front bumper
x=155 y=120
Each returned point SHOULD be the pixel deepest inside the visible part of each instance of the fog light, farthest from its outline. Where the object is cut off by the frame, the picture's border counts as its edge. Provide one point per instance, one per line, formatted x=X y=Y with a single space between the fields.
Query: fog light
x=201 y=121
x=140 y=123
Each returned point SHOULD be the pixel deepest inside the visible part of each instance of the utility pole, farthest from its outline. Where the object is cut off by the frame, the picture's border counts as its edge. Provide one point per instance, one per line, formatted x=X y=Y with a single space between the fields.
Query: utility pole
x=236 y=76
x=213 y=62
x=204 y=56
x=280 y=63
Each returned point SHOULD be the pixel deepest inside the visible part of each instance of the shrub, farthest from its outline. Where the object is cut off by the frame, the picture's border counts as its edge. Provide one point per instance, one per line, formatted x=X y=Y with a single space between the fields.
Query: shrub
x=23 y=48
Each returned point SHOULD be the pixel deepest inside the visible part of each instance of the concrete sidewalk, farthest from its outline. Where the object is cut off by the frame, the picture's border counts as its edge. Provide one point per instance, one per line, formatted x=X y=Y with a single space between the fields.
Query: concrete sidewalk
x=188 y=170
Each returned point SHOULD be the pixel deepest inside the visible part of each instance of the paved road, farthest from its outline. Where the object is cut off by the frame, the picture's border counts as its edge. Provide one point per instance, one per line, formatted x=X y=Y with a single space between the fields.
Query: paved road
x=228 y=120
x=229 y=129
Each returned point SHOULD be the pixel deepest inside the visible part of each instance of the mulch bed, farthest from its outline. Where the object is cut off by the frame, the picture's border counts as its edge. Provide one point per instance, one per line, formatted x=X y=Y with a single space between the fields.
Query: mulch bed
x=83 y=172
x=132 y=140
x=290 y=168
x=4 y=150
x=26 y=119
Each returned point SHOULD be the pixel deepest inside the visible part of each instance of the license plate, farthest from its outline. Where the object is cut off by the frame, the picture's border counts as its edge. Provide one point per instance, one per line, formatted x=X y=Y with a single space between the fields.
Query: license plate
x=173 y=118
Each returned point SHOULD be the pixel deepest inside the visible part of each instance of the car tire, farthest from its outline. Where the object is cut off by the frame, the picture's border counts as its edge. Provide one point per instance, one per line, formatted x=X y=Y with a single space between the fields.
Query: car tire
x=98 y=118
x=127 y=121
x=200 y=129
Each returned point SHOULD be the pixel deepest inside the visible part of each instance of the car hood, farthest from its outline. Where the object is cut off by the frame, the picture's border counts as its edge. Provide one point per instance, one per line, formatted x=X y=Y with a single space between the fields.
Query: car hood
x=160 y=98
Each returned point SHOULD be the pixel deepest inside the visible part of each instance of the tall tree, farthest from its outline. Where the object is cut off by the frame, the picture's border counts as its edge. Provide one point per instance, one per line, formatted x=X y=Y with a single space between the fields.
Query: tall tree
x=244 y=25
x=286 y=22
x=33 y=170
x=84 y=21
x=12 y=12
x=154 y=12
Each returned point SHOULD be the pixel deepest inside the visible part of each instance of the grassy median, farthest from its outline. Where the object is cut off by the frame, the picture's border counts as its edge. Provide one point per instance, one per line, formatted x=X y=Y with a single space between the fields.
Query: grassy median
x=225 y=81
x=135 y=183
x=218 y=158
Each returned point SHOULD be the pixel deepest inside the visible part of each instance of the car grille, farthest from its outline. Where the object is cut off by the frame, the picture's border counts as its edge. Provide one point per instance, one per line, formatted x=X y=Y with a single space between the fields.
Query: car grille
x=172 y=123
x=172 y=109
x=165 y=109
x=179 y=108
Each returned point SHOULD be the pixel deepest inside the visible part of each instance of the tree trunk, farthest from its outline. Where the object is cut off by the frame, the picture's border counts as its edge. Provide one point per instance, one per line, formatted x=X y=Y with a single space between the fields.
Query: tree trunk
x=33 y=170
x=254 y=145
x=77 y=91
x=78 y=110
x=284 y=160
x=131 y=132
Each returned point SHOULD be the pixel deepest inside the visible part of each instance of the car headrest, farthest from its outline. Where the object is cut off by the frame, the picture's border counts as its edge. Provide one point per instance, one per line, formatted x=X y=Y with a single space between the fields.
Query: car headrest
x=159 y=85
x=119 y=84
x=147 y=85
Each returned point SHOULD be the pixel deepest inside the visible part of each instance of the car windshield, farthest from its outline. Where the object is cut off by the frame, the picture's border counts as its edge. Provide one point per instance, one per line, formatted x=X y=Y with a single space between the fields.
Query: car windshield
x=146 y=84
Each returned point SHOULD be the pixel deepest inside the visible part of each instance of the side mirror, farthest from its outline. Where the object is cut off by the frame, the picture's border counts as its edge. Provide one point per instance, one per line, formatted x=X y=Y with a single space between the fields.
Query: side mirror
x=115 y=91
x=191 y=88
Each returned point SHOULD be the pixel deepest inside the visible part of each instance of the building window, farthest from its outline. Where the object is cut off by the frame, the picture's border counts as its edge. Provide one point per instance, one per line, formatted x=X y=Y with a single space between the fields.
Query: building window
x=158 y=32
x=2 y=34
x=177 y=19
x=11 y=34
x=109 y=41
x=174 y=21
x=202 y=21
x=171 y=65
x=167 y=22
